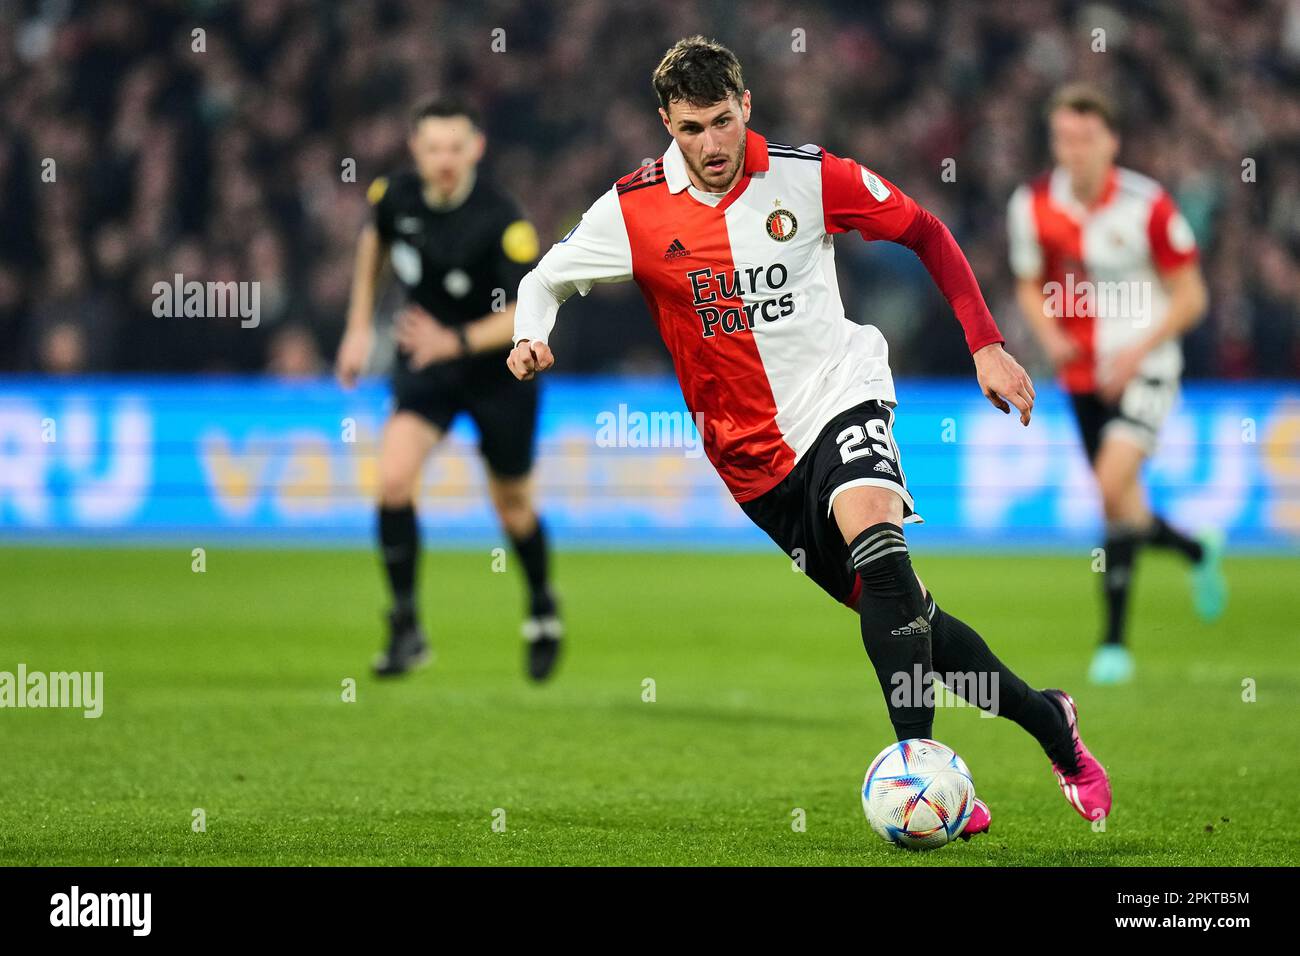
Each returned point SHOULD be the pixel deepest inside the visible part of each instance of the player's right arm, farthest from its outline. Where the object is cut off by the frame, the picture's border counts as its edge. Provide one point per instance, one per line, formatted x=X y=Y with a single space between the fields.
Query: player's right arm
x=359 y=335
x=855 y=198
x=1027 y=264
x=596 y=250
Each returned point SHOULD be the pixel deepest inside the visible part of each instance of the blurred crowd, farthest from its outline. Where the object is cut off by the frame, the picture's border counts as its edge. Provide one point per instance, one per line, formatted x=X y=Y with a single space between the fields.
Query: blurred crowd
x=224 y=141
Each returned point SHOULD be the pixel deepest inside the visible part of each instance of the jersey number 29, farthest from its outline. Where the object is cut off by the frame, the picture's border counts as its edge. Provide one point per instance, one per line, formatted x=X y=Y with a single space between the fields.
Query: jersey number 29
x=853 y=439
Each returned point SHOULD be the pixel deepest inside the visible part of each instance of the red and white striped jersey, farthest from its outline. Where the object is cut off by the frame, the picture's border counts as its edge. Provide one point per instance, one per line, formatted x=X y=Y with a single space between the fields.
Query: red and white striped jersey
x=1101 y=267
x=742 y=287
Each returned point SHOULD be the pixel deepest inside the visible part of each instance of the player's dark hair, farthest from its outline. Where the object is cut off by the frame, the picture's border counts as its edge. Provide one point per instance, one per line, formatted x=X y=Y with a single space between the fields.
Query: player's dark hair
x=1085 y=98
x=699 y=72
x=443 y=107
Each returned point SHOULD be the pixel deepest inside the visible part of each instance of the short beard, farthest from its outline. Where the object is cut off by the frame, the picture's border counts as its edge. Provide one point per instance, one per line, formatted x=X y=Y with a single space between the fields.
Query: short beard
x=740 y=164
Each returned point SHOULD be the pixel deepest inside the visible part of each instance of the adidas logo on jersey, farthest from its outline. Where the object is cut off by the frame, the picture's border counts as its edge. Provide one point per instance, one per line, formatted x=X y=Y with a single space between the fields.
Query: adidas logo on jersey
x=676 y=250
x=884 y=466
x=919 y=626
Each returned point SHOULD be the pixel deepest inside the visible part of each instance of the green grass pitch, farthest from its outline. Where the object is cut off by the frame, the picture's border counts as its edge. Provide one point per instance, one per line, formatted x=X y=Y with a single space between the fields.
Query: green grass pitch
x=224 y=691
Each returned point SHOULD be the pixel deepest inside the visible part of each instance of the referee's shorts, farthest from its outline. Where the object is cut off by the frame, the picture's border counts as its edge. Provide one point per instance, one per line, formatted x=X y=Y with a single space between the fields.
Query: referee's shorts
x=503 y=408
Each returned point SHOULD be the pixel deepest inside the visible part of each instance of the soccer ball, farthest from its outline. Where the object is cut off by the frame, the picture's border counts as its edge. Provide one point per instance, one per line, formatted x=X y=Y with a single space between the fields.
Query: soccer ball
x=918 y=794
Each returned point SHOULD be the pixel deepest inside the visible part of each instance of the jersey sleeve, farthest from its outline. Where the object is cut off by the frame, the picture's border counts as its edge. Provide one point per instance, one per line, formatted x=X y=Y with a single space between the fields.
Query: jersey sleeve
x=1022 y=236
x=855 y=198
x=595 y=250
x=380 y=197
x=1172 y=242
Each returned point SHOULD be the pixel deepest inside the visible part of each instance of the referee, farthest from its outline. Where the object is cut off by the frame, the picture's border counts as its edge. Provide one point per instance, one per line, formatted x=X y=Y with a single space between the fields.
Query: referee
x=459 y=246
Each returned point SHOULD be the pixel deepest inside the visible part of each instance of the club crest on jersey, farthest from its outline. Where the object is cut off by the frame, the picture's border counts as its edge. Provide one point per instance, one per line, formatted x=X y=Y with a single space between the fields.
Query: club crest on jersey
x=782 y=225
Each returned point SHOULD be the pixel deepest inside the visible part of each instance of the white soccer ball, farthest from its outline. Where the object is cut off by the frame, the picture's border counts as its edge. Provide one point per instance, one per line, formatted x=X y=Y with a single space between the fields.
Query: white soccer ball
x=918 y=794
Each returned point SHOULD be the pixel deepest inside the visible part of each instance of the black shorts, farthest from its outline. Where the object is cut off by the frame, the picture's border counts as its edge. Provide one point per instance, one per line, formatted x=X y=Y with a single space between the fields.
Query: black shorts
x=503 y=408
x=1137 y=417
x=856 y=448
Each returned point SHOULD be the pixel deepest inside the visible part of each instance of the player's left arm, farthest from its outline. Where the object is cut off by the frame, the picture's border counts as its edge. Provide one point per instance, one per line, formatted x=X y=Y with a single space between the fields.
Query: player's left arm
x=427 y=341
x=855 y=198
x=1175 y=257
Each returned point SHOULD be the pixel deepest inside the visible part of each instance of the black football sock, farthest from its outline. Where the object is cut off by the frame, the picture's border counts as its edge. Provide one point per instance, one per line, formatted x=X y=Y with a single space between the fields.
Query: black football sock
x=399 y=542
x=1164 y=535
x=895 y=630
x=534 y=554
x=968 y=666
x=1120 y=555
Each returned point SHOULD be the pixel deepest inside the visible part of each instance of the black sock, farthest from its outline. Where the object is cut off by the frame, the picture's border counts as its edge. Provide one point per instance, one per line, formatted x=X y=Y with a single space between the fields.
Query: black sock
x=534 y=554
x=399 y=542
x=1164 y=535
x=1120 y=554
x=958 y=650
x=895 y=631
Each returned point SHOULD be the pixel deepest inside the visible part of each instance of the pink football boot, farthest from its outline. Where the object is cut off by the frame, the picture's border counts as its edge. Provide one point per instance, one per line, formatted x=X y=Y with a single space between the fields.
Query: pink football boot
x=1083 y=780
x=979 y=820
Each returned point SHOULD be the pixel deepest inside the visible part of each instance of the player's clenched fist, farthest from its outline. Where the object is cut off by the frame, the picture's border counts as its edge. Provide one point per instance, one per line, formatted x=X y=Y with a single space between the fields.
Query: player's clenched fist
x=528 y=358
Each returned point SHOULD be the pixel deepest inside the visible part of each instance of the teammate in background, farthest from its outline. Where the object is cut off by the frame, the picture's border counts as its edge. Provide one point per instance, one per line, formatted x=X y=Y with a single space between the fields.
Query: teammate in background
x=1108 y=279
x=730 y=239
x=459 y=246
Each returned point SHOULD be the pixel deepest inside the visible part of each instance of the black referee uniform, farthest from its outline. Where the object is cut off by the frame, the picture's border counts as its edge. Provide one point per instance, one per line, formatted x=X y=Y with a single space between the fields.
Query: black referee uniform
x=459 y=264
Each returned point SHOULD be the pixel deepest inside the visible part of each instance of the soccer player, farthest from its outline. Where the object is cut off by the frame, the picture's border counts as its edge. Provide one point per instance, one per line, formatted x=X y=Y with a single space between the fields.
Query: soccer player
x=1107 y=277
x=458 y=245
x=730 y=239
